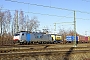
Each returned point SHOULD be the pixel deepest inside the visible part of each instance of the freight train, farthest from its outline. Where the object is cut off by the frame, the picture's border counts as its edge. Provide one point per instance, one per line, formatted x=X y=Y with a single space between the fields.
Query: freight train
x=25 y=37
x=35 y=37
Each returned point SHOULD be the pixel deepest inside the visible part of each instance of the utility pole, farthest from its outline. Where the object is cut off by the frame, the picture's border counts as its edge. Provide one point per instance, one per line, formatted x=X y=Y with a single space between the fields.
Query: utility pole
x=75 y=44
x=55 y=27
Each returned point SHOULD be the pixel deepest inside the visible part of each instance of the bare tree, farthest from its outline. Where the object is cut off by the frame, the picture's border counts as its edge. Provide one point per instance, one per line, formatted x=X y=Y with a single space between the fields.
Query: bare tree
x=32 y=24
x=26 y=22
x=67 y=32
x=7 y=21
x=13 y=26
x=9 y=17
x=71 y=33
x=15 y=22
x=1 y=20
x=21 y=21
x=62 y=31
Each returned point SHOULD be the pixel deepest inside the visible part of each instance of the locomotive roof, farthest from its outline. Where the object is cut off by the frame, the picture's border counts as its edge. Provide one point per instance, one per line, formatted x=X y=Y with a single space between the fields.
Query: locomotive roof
x=31 y=32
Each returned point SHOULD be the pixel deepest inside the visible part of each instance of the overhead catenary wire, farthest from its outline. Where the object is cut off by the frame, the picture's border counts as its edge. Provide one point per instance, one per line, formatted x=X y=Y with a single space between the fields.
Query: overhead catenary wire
x=65 y=15
x=39 y=13
x=39 y=5
x=48 y=6
x=86 y=0
x=47 y=14
x=51 y=7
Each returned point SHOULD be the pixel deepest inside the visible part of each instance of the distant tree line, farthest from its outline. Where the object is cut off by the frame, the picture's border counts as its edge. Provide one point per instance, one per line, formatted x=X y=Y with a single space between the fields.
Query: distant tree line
x=9 y=23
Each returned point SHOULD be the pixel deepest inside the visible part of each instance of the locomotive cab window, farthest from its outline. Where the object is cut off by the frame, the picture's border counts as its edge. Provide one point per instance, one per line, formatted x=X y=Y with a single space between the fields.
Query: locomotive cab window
x=16 y=34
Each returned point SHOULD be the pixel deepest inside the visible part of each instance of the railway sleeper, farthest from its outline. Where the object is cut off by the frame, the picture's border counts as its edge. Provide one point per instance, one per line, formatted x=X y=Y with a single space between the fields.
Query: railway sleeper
x=4 y=51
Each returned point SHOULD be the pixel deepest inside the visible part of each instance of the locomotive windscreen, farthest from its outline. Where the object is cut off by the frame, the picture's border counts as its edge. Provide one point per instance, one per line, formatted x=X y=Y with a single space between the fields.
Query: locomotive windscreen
x=16 y=34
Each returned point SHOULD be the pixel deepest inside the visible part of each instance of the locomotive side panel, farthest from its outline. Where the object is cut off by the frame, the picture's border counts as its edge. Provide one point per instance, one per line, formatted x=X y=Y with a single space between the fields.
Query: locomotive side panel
x=28 y=37
x=38 y=37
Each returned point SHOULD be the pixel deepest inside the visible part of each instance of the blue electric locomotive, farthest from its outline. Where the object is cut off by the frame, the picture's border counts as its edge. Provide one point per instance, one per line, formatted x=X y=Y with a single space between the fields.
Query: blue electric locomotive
x=34 y=37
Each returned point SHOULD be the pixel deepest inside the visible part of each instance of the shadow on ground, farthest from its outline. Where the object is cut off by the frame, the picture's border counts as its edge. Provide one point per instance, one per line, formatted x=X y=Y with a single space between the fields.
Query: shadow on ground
x=68 y=53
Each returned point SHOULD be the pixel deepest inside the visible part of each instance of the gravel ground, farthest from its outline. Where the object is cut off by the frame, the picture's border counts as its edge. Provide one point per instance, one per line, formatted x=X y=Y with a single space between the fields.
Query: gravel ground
x=74 y=56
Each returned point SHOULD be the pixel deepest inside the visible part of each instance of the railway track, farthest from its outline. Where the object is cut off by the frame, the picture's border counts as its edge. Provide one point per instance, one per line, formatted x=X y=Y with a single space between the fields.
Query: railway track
x=46 y=52
x=42 y=47
x=14 y=50
x=39 y=46
x=17 y=54
x=20 y=52
x=32 y=45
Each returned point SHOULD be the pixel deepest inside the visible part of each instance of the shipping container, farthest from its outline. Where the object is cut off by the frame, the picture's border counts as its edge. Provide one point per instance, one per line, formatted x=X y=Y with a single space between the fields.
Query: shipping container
x=71 y=38
x=74 y=39
x=53 y=37
x=82 y=39
x=88 y=38
x=58 y=37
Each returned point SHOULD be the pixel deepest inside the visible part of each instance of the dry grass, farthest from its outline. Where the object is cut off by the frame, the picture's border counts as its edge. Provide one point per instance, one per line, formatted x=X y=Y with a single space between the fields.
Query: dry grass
x=6 y=40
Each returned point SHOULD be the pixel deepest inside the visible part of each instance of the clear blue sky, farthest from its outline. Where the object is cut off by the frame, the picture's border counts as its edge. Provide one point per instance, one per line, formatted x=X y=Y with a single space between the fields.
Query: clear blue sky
x=47 y=21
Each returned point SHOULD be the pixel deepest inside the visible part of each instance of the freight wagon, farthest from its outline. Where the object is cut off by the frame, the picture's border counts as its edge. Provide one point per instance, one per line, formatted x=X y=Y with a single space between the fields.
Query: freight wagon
x=56 y=38
x=83 y=39
x=88 y=38
x=71 y=39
